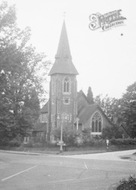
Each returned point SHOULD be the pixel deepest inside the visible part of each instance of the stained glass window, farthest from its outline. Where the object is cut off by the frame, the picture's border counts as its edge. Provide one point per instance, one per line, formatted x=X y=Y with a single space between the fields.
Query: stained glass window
x=97 y=122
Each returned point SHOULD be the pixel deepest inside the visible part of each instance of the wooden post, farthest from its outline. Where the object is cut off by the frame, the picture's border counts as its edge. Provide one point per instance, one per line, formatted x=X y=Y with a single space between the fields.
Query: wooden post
x=61 y=136
x=77 y=120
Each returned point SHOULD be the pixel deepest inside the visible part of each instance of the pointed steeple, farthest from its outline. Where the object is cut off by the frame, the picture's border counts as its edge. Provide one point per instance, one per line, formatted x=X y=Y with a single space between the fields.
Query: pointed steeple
x=63 y=60
x=63 y=47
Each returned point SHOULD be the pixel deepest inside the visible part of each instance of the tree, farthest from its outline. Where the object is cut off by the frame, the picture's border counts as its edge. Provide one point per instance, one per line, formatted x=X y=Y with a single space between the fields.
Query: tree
x=128 y=109
x=20 y=81
x=110 y=106
x=90 y=96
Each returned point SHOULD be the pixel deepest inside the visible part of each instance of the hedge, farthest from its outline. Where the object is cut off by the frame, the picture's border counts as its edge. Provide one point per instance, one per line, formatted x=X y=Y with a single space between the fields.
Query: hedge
x=127 y=141
x=127 y=184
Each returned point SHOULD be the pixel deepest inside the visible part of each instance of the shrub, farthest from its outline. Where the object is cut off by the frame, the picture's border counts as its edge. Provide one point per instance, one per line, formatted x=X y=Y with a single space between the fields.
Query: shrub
x=127 y=141
x=94 y=142
x=111 y=132
x=127 y=184
x=86 y=136
x=28 y=145
x=69 y=136
x=99 y=142
x=14 y=143
x=79 y=140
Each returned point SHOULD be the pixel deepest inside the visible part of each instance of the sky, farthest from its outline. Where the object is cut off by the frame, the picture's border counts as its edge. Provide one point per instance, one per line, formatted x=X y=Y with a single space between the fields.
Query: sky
x=105 y=60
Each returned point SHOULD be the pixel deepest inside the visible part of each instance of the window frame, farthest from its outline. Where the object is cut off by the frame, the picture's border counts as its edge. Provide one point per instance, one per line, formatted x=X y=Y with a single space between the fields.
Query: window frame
x=96 y=123
x=66 y=85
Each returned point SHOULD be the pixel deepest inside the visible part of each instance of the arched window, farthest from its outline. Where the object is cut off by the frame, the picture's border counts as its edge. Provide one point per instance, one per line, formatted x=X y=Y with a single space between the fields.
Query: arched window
x=66 y=87
x=96 y=123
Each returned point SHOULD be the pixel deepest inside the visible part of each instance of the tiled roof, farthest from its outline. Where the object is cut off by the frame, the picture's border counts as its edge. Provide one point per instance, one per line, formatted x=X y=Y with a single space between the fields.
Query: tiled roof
x=45 y=108
x=81 y=93
x=40 y=127
x=63 y=66
x=82 y=101
x=87 y=112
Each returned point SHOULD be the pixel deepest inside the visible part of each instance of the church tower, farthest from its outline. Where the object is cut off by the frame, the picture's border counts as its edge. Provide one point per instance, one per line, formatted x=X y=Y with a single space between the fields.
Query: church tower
x=63 y=86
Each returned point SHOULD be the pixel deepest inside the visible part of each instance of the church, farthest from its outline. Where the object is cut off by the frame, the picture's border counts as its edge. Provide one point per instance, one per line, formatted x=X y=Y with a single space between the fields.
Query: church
x=66 y=107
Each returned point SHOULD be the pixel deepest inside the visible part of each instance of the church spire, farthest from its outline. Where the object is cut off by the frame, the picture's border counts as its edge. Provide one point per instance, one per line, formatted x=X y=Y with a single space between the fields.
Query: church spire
x=63 y=47
x=63 y=59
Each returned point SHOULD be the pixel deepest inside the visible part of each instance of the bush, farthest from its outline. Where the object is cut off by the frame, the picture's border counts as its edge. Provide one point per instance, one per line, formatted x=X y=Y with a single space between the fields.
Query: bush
x=69 y=136
x=86 y=136
x=14 y=143
x=96 y=141
x=28 y=145
x=127 y=184
x=127 y=141
x=111 y=132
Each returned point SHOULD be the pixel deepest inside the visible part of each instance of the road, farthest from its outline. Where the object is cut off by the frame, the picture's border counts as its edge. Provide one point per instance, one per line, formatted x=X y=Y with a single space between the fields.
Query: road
x=50 y=172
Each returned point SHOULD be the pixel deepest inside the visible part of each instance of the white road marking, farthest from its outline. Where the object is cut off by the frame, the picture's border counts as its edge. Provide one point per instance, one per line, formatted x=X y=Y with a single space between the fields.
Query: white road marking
x=4 y=179
x=74 y=180
x=63 y=166
x=85 y=166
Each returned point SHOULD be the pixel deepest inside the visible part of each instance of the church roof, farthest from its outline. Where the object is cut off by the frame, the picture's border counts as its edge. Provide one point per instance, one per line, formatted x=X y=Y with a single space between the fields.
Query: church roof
x=40 y=127
x=82 y=101
x=45 y=108
x=63 y=60
x=87 y=112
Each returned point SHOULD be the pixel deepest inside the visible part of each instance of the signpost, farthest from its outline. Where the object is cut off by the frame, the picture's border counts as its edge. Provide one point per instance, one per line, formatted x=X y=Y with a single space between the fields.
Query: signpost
x=61 y=137
x=61 y=143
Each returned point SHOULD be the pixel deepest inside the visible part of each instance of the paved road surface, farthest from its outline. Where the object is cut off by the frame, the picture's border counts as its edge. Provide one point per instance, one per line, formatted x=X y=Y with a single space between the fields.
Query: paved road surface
x=48 y=172
x=116 y=156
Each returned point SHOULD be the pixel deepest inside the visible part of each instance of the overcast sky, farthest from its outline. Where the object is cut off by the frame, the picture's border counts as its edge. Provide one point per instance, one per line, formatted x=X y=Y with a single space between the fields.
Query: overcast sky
x=105 y=60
